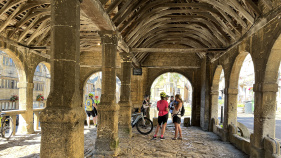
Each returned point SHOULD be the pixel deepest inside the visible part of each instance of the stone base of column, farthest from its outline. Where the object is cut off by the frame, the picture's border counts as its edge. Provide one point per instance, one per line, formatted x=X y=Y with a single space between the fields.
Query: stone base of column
x=107 y=141
x=125 y=127
x=26 y=123
x=62 y=132
x=256 y=152
x=225 y=135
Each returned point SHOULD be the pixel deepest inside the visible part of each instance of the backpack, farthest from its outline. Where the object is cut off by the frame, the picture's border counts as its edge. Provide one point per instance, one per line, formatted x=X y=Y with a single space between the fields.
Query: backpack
x=89 y=105
x=182 y=110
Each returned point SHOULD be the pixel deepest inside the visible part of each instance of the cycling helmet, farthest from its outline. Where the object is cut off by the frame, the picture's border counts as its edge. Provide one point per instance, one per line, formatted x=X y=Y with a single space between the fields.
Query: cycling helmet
x=163 y=94
x=91 y=95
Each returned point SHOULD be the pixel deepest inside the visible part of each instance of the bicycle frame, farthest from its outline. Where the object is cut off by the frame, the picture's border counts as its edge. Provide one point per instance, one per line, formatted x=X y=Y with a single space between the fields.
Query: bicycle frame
x=139 y=115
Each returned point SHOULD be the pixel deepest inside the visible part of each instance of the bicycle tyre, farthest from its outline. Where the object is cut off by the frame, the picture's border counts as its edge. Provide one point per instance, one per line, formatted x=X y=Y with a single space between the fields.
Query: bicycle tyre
x=148 y=123
x=7 y=129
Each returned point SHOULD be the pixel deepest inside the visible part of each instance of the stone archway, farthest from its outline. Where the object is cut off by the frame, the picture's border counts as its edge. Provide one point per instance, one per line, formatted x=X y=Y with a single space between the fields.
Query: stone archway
x=25 y=120
x=269 y=89
x=230 y=111
x=186 y=91
x=88 y=77
x=215 y=94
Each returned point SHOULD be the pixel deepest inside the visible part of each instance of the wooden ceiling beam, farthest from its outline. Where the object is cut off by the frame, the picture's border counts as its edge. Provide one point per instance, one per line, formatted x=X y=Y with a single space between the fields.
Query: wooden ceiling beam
x=96 y=13
x=175 y=50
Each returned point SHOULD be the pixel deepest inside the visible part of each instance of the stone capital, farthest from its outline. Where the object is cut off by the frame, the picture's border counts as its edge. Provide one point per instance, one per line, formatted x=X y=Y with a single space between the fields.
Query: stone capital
x=231 y=91
x=108 y=37
x=25 y=85
x=266 y=87
x=125 y=57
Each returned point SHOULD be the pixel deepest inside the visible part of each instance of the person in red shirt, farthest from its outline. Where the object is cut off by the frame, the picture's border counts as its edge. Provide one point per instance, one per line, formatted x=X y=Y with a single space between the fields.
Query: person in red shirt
x=162 y=107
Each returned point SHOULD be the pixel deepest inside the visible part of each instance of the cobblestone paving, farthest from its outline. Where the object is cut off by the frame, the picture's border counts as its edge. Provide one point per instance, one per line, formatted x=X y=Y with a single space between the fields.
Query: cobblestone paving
x=196 y=143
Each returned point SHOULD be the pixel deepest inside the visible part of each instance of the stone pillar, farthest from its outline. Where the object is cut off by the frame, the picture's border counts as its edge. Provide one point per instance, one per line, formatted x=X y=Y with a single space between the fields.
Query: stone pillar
x=26 y=103
x=125 y=128
x=230 y=110
x=107 y=142
x=264 y=113
x=62 y=121
x=205 y=94
x=214 y=107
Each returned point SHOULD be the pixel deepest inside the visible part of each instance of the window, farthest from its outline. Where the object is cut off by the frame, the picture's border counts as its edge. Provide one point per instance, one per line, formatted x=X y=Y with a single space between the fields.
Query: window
x=7 y=61
x=14 y=105
x=4 y=59
x=0 y=83
x=13 y=84
x=10 y=62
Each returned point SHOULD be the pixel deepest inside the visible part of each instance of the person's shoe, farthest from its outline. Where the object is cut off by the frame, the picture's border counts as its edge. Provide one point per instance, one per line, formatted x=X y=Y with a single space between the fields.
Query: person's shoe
x=154 y=138
x=179 y=138
x=162 y=138
x=174 y=138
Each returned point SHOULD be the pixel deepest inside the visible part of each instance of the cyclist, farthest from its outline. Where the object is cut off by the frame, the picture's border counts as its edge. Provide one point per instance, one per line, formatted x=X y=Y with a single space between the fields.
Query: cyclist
x=177 y=117
x=145 y=105
x=171 y=105
x=96 y=102
x=90 y=108
x=162 y=107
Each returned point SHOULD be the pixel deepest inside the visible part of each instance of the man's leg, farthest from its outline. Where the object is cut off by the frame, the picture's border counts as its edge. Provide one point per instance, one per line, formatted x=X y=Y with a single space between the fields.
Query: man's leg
x=88 y=121
x=95 y=120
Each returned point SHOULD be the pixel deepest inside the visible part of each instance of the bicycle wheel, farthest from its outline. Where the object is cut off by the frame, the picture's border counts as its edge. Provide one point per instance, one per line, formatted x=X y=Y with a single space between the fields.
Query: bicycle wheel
x=7 y=128
x=144 y=127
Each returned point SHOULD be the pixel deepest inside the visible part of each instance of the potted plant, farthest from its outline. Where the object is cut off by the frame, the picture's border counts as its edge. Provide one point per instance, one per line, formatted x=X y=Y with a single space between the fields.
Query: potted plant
x=14 y=98
x=39 y=97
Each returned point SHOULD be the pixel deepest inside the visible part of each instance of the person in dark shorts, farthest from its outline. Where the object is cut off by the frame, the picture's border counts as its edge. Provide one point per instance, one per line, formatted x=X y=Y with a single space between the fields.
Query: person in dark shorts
x=90 y=108
x=162 y=107
x=96 y=102
x=177 y=116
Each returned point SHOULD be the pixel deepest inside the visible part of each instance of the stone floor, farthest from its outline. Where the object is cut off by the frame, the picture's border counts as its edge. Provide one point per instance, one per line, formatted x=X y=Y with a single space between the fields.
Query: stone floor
x=196 y=143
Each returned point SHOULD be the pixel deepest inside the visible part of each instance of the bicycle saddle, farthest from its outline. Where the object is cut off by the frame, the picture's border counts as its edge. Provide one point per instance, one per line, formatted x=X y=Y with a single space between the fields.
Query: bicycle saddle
x=3 y=114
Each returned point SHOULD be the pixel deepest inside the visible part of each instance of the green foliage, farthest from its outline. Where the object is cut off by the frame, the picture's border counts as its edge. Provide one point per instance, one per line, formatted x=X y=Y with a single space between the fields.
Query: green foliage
x=221 y=101
x=240 y=105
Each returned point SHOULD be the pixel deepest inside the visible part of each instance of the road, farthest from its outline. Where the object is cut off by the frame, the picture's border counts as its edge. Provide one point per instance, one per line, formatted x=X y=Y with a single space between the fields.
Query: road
x=248 y=121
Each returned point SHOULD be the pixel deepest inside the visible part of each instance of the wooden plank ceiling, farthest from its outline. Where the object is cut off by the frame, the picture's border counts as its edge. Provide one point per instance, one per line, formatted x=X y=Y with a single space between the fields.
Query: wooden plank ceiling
x=195 y=24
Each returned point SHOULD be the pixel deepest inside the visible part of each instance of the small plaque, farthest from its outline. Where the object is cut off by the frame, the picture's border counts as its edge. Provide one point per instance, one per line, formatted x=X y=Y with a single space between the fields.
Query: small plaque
x=137 y=71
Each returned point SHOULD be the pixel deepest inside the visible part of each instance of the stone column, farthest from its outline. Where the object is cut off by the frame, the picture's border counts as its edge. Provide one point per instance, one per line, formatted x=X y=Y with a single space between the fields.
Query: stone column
x=205 y=94
x=230 y=110
x=125 y=128
x=107 y=142
x=62 y=121
x=264 y=113
x=214 y=107
x=26 y=103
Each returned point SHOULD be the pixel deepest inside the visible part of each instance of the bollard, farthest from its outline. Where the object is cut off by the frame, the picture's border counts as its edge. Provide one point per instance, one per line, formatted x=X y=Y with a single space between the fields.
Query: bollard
x=221 y=114
x=155 y=121
x=186 y=122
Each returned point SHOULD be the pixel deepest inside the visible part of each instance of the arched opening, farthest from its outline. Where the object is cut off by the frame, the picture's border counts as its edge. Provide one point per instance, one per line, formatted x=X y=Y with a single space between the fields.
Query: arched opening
x=245 y=100
x=12 y=84
x=42 y=84
x=9 y=79
x=93 y=85
x=221 y=97
x=273 y=77
x=171 y=84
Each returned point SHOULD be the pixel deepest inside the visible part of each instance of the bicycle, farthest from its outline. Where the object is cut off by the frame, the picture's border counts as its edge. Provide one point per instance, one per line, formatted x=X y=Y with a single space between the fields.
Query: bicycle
x=144 y=125
x=6 y=126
